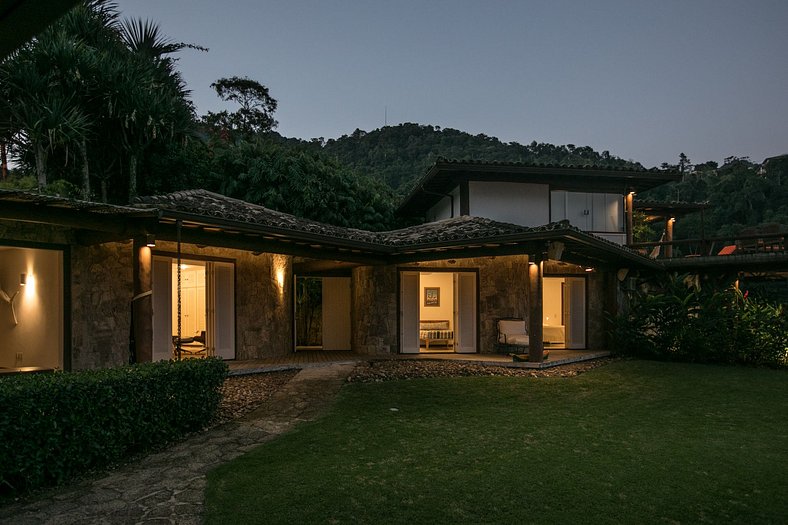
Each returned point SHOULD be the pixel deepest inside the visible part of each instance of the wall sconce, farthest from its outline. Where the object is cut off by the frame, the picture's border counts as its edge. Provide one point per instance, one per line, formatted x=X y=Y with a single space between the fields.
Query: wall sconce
x=589 y=269
x=22 y=279
x=150 y=240
x=672 y=219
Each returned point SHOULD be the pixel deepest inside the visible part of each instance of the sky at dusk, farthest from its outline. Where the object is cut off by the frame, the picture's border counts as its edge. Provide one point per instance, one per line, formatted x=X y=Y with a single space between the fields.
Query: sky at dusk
x=645 y=80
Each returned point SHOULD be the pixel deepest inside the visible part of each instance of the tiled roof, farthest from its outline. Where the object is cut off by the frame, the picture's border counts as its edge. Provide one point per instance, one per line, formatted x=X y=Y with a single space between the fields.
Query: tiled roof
x=455 y=230
x=635 y=167
x=463 y=228
x=209 y=204
x=54 y=201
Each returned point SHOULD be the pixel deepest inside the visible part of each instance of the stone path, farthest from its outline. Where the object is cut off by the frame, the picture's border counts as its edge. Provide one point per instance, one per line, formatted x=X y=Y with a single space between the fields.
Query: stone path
x=167 y=487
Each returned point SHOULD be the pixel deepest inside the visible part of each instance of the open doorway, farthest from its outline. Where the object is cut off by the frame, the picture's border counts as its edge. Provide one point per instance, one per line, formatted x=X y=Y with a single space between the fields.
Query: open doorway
x=202 y=323
x=438 y=312
x=322 y=313
x=564 y=311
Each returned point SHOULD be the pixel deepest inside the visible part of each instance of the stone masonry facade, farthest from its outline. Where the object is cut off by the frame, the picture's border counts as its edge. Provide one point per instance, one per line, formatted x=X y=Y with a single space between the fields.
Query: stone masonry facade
x=503 y=285
x=503 y=292
x=263 y=308
x=101 y=292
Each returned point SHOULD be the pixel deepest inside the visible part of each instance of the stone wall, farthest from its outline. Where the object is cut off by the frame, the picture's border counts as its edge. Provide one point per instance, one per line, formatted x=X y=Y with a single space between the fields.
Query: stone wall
x=503 y=292
x=374 y=316
x=263 y=306
x=101 y=293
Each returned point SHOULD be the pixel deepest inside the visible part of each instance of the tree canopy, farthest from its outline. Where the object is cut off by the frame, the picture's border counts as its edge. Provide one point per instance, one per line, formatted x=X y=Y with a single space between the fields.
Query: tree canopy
x=95 y=107
x=400 y=155
x=255 y=114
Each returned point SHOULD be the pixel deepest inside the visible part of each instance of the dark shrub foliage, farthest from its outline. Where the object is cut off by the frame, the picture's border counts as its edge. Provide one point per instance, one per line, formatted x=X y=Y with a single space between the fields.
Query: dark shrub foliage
x=679 y=321
x=54 y=426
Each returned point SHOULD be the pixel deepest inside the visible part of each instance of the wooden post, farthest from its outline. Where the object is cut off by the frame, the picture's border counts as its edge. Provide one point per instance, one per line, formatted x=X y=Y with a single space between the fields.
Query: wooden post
x=142 y=303
x=669 y=237
x=629 y=210
x=535 y=310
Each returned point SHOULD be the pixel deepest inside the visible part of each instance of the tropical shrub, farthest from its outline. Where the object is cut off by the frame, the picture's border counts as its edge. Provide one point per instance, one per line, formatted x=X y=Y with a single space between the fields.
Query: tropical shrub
x=54 y=426
x=678 y=320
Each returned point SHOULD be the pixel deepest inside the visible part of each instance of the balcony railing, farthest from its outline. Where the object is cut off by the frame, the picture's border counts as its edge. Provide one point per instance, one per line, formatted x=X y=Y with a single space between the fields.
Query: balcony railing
x=715 y=246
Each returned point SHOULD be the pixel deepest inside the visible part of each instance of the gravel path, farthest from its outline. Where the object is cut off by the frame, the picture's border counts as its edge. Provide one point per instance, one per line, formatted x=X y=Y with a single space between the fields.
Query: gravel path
x=392 y=370
x=242 y=394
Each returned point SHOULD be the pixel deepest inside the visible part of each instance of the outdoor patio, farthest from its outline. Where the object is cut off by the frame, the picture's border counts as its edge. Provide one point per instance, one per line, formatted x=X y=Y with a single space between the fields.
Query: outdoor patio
x=318 y=358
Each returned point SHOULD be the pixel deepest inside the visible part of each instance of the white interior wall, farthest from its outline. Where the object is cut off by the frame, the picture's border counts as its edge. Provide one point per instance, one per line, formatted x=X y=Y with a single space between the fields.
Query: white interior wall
x=514 y=202
x=444 y=312
x=551 y=306
x=38 y=337
x=192 y=298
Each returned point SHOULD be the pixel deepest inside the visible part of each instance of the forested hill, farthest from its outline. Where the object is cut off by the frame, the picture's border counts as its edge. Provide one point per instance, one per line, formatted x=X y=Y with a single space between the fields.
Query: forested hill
x=399 y=155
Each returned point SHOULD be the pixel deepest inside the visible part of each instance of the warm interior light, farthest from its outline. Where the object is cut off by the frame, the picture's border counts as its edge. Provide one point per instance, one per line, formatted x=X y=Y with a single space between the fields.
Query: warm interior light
x=150 y=240
x=589 y=269
x=30 y=284
x=673 y=219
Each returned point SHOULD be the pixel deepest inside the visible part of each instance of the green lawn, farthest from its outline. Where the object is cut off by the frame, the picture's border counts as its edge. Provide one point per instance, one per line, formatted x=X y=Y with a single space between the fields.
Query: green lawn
x=632 y=442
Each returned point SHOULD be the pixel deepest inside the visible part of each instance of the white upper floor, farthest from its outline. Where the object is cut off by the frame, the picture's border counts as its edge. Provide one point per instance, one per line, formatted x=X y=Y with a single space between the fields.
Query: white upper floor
x=592 y=199
x=529 y=204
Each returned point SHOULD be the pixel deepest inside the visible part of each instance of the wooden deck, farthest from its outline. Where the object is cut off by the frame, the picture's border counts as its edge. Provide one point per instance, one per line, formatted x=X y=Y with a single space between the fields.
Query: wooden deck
x=317 y=358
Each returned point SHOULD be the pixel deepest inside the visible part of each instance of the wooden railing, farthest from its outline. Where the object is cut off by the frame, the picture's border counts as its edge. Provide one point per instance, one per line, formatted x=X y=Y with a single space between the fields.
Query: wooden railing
x=730 y=245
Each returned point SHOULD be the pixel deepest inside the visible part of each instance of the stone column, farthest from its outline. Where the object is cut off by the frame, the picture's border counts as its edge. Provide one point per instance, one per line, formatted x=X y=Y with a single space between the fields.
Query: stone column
x=142 y=304
x=535 y=310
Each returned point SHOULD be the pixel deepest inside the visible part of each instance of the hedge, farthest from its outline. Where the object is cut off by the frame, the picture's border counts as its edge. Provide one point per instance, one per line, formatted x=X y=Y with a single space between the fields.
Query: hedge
x=680 y=321
x=55 y=426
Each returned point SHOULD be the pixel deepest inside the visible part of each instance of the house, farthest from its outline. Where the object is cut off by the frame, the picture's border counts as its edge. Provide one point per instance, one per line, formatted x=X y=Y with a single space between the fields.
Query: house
x=198 y=273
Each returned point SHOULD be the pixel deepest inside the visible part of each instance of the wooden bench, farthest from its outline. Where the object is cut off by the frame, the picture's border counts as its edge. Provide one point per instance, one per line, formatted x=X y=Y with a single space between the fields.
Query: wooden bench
x=435 y=332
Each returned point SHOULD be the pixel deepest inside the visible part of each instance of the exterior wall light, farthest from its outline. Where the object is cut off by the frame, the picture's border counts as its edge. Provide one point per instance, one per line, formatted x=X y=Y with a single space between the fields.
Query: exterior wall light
x=150 y=240
x=22 y=279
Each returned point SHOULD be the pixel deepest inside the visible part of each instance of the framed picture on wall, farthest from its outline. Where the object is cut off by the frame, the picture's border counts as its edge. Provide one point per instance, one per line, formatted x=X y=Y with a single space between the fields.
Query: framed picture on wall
x=432 y=296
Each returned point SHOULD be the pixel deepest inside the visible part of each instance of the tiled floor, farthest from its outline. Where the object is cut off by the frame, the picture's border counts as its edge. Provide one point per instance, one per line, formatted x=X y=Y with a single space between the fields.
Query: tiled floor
x=315 y=358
